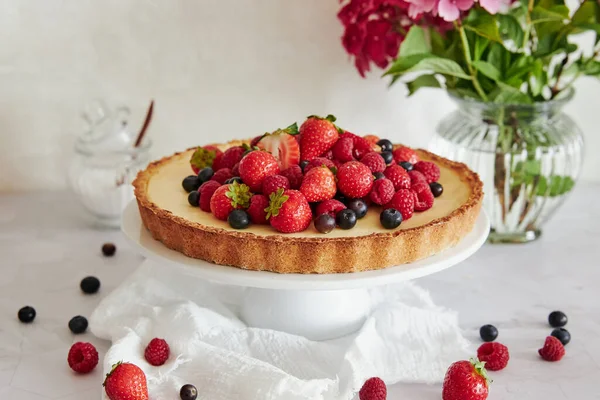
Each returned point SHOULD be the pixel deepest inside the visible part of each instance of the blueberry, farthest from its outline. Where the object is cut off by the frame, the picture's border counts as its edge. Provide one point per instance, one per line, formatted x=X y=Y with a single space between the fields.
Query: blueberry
x=78 y=324
x=238 y=219
x=346 y=219
x=188 y=392
x=562 y=334
x=234 y=179
x=205 y=174
x=390 y=218
x=26 y=314
x=340 y=197
x=191 y=183
x=303 y=164
x=324 y=223
x=488 y=333
x=109 y=249
x=436 y=189
x=557 y=319
x=385 y=145
x=388 y=157
x=406 y=165
x=378 y=175
x=359 y=207
x=89 y=285
x=194 y=198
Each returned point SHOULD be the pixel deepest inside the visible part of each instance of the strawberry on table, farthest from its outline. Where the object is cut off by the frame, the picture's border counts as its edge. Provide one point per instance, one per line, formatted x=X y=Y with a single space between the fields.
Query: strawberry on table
x=228 y=198
x=318 y=184
x=466 y=380
x=289 y=211
x=255 y=167
x=204 y=157
x=126 y=381
x=355 y=179
x=319 y=135
x=283 y=145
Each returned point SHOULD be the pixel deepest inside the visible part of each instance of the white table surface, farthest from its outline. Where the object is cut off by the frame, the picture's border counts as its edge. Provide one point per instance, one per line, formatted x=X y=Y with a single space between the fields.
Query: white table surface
x=46 y=248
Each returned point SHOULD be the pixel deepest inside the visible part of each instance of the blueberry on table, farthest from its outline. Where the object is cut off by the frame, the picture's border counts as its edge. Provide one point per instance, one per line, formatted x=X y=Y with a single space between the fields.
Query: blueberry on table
x=556 y=319
x=562 y=334
x=205 y=174
x=436 y=189
x=234 y=179
x=488 y=333
x=109 y=249
x=406 y=165
x=324 y=223
x=188 y=392
x=390 y=218
x=78 y=324
x=346 y=219
x=303 y=164
x=238 y=219
x=388 y=157
x=89 y=285
x=359 y=207
x=378 y=175
x=385 y=145
x=191 y=183
x=194 y=198
x=26 y=314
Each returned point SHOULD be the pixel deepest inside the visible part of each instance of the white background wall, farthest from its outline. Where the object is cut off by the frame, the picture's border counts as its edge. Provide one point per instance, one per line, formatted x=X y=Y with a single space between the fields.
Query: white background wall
x=218 y=69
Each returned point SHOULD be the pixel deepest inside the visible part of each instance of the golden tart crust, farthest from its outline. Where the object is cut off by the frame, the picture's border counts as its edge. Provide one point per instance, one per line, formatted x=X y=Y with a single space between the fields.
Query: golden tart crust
x=215 y=242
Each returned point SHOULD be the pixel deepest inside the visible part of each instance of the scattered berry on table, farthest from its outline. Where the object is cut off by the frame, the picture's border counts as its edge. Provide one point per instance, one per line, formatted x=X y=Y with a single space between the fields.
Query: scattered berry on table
x=355 y=179
x=385 y=145
x=405 y=154
x=423 y=196
x=206 y=191
x=222 y=175
x=406 y=165
x=429 y=170
x=436 y=189
x=342 y=150
x=205 y=174
x=157 y=352
x=90 y=285
x=82 y=357
x=256 y=211
x=294 y=175
x=109 y=249
x=382 y=191
x=398 y=176
x=256 y=166
x=194 y=198
x=553 y=349
x=556 y=319
x=274 y=182
x=318 y=135
x=373 y=389
x=319 y=162
x=289 y=211
x=78 y=324
x=234 y=179
x=126 y=381
x=374 y=161
x=191 y=183
x=318 y=184
x=325 y=223
x=359 y=207
x=403 y=201
x=465 y=380
x=346 y=219
x=238 y=219
x=390 y=218
x=494 y=354
x=378 y=175
x=488 y=333
x=188 y=392
x=26 y=314
x=388 y=157
x=562 y=334
x=330 y=207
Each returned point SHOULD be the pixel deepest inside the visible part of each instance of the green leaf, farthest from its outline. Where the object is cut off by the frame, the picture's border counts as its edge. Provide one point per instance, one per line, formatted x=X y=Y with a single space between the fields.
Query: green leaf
x=592 y=68
x=520 y=67
x=511 y=29
x=414 y=42
x=403 y=64
x=481 y=44
x=487 y=69
x=555 y=13
x=438 y=43
x=510 y=95
x=554 y=185
x=421 y=82
x=586 y=13
x=499 y=57
x=466 y=93
x=485 y=25
x=440 y=66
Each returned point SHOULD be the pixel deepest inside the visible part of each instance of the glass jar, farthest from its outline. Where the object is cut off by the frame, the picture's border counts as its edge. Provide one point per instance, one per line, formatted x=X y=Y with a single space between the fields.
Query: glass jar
x=528 y=157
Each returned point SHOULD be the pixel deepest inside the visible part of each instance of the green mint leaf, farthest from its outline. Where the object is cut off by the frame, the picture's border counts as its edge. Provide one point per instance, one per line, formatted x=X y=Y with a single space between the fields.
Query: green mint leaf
x=440 y=66
x=511 y=29
x=485 y=25
x=403 y=64
x=487 y=69
x=421 y=82
x=415 y=42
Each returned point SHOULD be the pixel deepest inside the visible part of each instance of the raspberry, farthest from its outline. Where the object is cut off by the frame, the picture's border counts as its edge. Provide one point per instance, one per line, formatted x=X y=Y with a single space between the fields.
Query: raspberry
x=423 y=196
x=294 y=175
x=330 y=207
x=342 y=150
x=416 y=177
x=256 y=211
x=355 y=180
x=374 y=161
x=82 y=357
x=361 y=146
x=403 y=201
x=398 y=176
x=157 y=352
x=235 y=171
x=274 y=182
x=222 y=175
x=317 y=162
x=373 y=389
x=429 y=170
x=230 y=157
x=328 y=155
x=494 y=354
x=206 y=191
x=553 y=349
x=403 y=153
x=382 y=191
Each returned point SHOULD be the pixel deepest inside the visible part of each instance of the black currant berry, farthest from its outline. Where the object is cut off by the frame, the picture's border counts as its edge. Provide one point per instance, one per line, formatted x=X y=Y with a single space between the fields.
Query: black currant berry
x=234 y=179
x=188 y=392
x=26 y=314
x=89 y=285
x=109 y=249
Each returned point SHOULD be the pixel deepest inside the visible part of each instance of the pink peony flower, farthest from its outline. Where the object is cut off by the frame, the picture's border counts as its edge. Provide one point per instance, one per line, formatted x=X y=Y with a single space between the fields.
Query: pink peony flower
x=450 y=10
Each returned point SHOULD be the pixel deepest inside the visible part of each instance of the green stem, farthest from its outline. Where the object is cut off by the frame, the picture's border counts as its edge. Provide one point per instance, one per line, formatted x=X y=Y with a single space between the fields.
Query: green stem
x=529 y=25
x=467 y=53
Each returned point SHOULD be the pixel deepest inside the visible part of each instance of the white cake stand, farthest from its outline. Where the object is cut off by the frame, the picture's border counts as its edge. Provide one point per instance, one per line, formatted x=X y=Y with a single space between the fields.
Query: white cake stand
x=318 y=307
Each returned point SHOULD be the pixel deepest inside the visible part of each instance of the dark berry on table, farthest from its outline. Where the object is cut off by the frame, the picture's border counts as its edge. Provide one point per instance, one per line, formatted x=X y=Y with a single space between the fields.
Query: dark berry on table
x=359 y=207
x=488 y=333
x=238 y=219
x=346 y=219
x=78 y=324
x=436 y=189
x=406 y=165
x=303 y=164
x=188 y=392
x=109 y=249
x=562 y=334
x=388 y=157
x=26 y=314
x=390 y=218
x=324 y=223
x=205 y=174
x=556 y=319
x=89 y=285
x=194 y=198
x=234 y=179
x=385 y=145
x=191 y=183
x=378 y=175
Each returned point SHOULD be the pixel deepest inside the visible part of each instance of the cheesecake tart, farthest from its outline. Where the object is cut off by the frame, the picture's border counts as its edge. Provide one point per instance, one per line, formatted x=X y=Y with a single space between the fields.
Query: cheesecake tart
x=370 y=244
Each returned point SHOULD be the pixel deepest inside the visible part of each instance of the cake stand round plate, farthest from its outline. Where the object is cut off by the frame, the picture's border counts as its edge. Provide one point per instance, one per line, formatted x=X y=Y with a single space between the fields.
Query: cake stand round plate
x=317 y=306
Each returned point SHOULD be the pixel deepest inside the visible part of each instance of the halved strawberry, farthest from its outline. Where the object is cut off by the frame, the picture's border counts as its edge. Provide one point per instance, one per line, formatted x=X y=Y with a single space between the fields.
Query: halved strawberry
x=282 y=145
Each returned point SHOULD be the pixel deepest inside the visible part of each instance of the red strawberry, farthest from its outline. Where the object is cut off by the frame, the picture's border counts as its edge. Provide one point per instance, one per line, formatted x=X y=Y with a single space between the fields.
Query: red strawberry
x=355 y=179
x=255 y=167
x=318 y=136
x=416 y=177
x=403 y=153
x=373 y=389
x=204 y=157
x=230 y=157
x=465 y=380
x=429 y=170
x=382 y=191
x=294 y=175
x=494 y=354
x=222 y=175
x=374 y=161
x=553 y=349
x=423 y=196
x=330 y=207
x=126 y=382
x=282 y=145
x=82 y=357
x=403 y=201
x=318 y=184
x=342 y=150
x=289 y=211
x=256 y=211
x=157 y=352
x=228 y=198
x=318 y=162
x=206 y=191
x=274 y=182
x=398 y=176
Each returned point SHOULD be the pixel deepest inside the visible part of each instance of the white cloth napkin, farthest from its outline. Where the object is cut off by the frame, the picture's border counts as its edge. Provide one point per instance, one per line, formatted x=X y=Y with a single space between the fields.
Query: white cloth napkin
x=406 y=338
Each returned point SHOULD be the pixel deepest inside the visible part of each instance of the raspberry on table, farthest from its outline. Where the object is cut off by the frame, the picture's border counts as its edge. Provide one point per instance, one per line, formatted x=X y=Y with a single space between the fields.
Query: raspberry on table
x=222 y=175
x=206 y=191
x=373 y=389
x=157 y=352
x=494 y=354
x=403 y=153
x=382 y=191
x=374 y=161
x=294 y=175
x=256 y=211
x=398 y=176
x=553 y=349
x=342 y=150
x=429 y=170
x=416 y=177
x=318 y=162
x=403 y=201
x=274 y=182
x=82 y=357
x=423 y=196
x=330 y=207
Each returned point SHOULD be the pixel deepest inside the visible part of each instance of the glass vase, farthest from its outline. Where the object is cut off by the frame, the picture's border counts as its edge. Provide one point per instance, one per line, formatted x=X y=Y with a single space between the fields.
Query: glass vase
x=528 y=157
